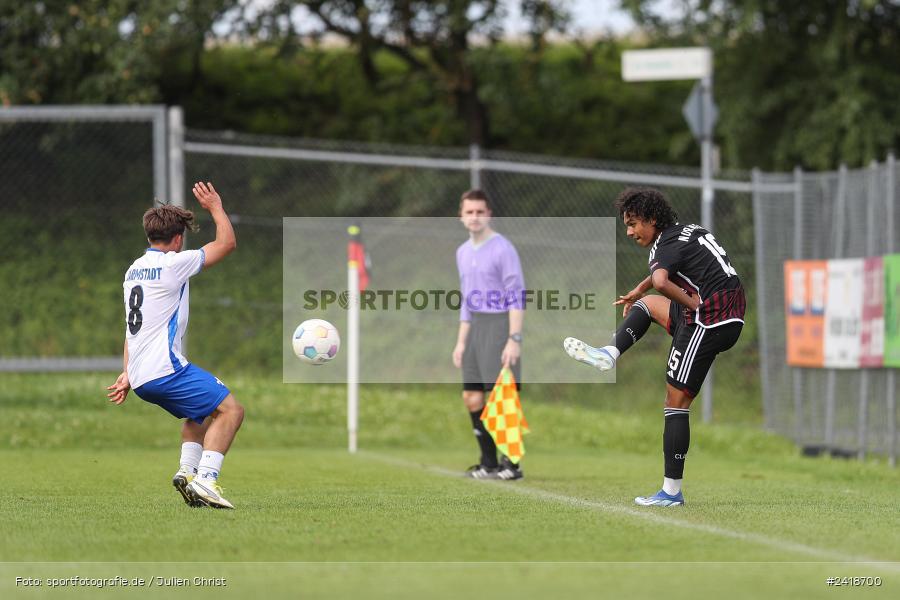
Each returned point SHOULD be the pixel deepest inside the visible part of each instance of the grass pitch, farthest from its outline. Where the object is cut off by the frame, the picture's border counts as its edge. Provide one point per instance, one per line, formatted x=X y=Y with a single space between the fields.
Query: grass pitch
x=86 y=493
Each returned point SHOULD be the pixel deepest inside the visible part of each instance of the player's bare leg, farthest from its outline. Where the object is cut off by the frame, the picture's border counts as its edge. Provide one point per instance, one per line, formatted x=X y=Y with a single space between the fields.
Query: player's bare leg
x=639 y=316
x=676 y=440
x=192 y=431
x=192 y=434
x=473 y=400
x=676 y=398
x=487 y=465
x=226 y=420
x=659 y=308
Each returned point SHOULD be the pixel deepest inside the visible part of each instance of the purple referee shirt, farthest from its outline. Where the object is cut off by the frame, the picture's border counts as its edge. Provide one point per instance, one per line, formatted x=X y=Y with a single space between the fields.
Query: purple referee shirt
x=490 y=277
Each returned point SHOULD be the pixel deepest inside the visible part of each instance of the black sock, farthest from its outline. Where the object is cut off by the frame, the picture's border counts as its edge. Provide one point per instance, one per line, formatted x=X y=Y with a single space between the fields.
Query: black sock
x=676 y=440
x=633 y=327
x=484 y=439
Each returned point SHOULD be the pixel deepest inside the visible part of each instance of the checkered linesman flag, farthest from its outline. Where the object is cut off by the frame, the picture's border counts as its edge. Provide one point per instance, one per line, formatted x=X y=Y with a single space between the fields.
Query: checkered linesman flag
x=504 y=419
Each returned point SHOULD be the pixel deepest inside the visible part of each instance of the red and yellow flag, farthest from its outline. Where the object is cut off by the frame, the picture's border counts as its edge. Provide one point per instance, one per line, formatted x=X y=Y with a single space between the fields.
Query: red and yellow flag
x=357 y=257
x=503 y=417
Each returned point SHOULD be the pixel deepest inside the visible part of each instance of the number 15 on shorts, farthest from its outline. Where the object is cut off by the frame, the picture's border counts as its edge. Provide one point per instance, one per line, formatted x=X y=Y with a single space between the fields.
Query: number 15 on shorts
x=674 y=359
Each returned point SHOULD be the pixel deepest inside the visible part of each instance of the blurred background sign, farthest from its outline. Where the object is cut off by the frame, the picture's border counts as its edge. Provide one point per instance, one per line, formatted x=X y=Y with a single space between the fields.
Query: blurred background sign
x=665 y=64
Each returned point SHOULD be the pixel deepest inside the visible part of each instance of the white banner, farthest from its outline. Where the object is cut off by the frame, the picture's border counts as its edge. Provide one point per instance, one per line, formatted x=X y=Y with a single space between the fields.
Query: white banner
x=663 y=64
x=843 y=313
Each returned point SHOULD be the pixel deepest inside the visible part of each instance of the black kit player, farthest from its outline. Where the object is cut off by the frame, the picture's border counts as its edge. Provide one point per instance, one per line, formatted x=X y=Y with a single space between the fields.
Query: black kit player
x=701 y=305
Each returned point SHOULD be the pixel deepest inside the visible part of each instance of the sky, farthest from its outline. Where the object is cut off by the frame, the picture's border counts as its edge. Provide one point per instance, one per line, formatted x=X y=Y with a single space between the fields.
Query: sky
x=588 y=16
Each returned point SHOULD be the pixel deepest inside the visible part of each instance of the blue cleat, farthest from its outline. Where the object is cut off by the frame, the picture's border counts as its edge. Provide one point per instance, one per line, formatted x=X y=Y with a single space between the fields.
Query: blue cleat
x=660 y=499
x=596 y=357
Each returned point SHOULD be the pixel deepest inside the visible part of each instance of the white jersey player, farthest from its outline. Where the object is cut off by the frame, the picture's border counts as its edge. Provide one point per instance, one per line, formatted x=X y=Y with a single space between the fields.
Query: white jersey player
x=156 y=294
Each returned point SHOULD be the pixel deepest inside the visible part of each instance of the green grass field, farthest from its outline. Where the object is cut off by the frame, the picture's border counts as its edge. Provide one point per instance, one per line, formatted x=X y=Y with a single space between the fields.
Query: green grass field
x=86 y=493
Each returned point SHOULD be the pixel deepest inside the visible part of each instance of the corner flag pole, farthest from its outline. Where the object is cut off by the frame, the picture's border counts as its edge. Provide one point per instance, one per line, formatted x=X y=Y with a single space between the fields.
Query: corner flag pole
x=352 y=347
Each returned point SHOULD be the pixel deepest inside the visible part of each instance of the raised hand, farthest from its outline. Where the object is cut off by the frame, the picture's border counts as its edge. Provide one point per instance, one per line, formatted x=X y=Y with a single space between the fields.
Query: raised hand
x=207 y=195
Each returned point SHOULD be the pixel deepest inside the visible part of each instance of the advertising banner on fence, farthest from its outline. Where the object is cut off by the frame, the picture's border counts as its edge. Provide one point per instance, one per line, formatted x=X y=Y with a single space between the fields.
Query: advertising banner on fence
x=805 y=289
x=892 y=310
x=872 y=333
x=843 y=313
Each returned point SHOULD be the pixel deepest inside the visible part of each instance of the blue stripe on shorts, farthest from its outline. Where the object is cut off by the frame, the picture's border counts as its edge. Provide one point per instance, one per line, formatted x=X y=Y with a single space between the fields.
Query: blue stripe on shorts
x=191 y=393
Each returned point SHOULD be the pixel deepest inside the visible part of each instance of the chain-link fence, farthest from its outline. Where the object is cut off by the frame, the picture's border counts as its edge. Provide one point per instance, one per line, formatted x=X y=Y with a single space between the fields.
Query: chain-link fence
x=73 y=184
x=75 y=187
x=840 y=214
x=271 y=177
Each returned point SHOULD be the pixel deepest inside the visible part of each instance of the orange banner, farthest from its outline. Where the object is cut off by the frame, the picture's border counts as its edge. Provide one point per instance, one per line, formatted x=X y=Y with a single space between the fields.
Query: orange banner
x=805 y=289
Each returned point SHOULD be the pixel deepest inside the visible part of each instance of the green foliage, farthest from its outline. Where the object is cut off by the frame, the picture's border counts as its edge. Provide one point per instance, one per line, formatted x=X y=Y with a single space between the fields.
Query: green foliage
x=797 y=83
x=317 y=94
x=567 y=89
x=809 y=83
x=98 y=51
x=578 y=94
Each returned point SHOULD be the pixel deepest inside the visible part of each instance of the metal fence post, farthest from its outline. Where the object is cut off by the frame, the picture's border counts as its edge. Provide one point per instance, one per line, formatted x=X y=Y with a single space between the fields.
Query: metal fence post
x=475 y=168
x=838 y=231
x=707 y=205
x=160 y=172
x=761 y=309
x=176 y=156
x=797 y=373
x=176 y=174
x=890 y=384
x=862 y=422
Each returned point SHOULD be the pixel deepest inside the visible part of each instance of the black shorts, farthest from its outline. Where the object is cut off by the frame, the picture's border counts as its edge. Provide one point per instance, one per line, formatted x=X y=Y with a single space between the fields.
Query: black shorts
x=488 y=334
x=694 y=348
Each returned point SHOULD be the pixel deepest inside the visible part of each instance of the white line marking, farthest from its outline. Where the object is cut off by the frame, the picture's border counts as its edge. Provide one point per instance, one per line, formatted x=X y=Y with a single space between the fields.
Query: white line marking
x=651 y=515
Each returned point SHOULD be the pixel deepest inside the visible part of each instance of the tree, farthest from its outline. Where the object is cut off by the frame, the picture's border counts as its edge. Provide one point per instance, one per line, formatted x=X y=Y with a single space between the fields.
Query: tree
x=810 y=83
x=432 y=37
x=95 y=51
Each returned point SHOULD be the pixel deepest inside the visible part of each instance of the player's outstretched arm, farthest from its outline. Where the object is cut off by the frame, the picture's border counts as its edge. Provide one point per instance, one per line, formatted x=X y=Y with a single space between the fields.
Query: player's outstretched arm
x=225 y=242
x=673 y=292
x=634 y=295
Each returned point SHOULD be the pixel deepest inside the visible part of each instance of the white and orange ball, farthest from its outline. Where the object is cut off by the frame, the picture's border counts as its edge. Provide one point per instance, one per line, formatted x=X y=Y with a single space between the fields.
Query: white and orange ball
x=316 y=341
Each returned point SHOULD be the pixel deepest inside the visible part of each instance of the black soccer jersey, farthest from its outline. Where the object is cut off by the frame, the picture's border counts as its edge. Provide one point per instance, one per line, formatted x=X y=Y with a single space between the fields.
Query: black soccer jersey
x=699 y=265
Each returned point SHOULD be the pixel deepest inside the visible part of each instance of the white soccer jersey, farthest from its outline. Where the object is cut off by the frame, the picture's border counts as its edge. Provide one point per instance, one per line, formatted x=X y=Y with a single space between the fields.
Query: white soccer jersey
x=156 y=312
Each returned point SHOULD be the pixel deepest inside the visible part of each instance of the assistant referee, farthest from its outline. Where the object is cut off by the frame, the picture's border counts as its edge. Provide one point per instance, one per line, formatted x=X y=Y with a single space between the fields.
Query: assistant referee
x=490 y=325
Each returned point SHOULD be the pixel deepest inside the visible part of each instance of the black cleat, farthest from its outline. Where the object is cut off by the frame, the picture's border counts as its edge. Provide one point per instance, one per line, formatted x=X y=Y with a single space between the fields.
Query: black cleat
x=509 y=471
x=481 y=472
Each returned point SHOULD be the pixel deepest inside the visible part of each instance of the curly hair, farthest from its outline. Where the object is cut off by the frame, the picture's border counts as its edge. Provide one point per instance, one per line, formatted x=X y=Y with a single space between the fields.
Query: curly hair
x=647 y=204
x=162 y=223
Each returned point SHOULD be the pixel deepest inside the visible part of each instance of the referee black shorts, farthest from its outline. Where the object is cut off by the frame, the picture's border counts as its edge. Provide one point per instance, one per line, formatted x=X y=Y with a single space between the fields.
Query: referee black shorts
x=488 y=333
x=694 y=348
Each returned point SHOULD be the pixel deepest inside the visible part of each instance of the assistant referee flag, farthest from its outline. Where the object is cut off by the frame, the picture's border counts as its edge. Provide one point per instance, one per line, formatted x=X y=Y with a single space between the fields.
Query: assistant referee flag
x=503 y=417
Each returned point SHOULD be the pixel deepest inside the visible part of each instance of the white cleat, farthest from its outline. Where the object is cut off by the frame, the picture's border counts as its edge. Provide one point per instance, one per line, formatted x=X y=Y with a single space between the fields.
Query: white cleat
x=661 y=498
x=207 y=492
x=596 y=357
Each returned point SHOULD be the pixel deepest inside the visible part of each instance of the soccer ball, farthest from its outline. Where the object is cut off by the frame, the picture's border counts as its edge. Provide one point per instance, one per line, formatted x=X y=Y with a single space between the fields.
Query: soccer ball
x=316 y=341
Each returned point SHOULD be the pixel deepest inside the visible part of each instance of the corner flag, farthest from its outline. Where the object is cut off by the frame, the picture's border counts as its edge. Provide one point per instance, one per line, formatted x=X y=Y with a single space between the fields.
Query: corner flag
x=357 y=256
x=504 y=419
